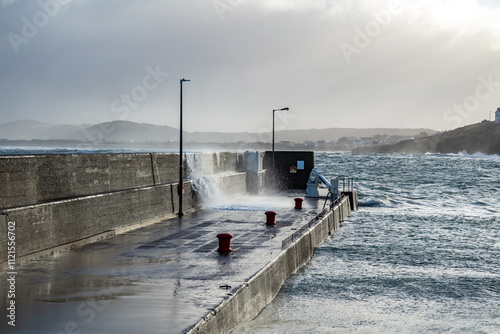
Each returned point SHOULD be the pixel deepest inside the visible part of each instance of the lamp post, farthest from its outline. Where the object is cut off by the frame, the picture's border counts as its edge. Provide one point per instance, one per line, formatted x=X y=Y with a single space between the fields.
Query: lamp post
x=282 y=109
x=181 y=178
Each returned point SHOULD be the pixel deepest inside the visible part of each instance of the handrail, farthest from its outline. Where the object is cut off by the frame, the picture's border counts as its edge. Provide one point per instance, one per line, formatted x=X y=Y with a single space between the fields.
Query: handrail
x=347 y=183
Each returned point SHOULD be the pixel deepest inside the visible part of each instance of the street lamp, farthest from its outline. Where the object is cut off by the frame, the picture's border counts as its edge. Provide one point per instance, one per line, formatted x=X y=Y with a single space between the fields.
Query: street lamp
x=181 y=179
x=282 y=109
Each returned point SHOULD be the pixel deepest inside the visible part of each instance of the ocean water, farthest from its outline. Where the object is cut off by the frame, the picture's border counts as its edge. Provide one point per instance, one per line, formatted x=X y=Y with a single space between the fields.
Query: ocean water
x=422 y=254
x=27 y=150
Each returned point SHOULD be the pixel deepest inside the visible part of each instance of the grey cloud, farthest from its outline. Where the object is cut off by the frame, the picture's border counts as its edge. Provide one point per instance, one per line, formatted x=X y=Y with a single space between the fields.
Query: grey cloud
x=258 y=58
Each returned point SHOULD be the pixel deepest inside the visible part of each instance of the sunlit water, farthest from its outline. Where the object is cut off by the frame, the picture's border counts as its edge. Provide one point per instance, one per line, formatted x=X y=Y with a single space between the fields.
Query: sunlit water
x=422 y=255
x=26 y=150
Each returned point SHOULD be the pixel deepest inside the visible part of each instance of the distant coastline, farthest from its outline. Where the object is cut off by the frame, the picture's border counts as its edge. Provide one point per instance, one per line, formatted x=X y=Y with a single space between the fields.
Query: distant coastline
x=481 y=137
x=133 y=136
x=124 y=136
x=36 y=146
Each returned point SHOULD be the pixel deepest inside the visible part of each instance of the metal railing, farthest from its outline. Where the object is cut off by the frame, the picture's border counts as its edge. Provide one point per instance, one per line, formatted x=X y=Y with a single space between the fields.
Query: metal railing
x=347 y=183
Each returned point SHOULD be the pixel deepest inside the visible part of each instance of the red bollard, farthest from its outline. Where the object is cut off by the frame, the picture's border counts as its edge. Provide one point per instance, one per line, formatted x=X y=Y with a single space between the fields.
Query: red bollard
x=298 y=203
x=224 y=242
x=271 y=218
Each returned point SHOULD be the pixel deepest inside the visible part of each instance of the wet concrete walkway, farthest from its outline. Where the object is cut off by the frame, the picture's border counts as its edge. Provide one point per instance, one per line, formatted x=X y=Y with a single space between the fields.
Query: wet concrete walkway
x=162 y=278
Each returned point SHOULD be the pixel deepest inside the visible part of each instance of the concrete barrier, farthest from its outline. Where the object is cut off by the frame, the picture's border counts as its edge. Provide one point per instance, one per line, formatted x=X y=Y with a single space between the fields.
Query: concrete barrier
x=261 y=289
x=206 y=163
x=59 y=201
x=28 y=180
x=232 y=184
x=256 y=181
x=353 y=198
x=58 y=225
x=38 y=179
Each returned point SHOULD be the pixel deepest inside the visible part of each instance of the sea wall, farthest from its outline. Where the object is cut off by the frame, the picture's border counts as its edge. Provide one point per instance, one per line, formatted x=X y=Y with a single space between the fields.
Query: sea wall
x=49 y=227
x=261 y=289
x=59 y=201
x=27 y=180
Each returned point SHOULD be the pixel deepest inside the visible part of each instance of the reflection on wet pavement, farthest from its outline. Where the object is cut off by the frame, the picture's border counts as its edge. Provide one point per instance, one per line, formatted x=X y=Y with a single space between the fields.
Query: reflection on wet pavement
x=157 y=279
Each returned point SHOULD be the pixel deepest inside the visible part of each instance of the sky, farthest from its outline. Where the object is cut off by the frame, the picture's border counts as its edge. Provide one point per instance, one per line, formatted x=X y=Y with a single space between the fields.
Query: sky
x=333 y=63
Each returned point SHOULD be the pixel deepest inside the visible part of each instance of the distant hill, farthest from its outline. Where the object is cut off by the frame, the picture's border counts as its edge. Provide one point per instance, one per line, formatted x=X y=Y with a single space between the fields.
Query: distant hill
x=125 y=131
x=29 y=129
x=120 y=131
x=481 y=137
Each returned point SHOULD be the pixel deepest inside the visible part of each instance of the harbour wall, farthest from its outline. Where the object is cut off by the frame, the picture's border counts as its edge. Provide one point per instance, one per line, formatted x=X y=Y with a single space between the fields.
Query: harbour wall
x=28 y=180
x=61 y=201
x=263 y=287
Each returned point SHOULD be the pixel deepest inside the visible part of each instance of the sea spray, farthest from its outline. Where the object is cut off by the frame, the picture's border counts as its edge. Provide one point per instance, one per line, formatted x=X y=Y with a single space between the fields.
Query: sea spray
x=207 y=187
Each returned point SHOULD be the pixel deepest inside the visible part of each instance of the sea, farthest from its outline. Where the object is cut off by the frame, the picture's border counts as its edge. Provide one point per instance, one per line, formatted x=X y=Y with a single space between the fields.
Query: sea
x=31 y=150
x=421 y=255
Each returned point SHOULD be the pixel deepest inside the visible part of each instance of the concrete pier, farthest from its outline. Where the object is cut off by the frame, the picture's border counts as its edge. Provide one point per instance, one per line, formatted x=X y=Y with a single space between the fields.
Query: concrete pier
x=132 y=265
x=63 y=201
x=249 y=299
x=169 y=277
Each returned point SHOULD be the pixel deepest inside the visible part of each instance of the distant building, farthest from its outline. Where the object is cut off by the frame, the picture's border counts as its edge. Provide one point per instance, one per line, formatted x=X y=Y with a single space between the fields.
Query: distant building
x=309 y=143
x=320 y=143
x=497 y=116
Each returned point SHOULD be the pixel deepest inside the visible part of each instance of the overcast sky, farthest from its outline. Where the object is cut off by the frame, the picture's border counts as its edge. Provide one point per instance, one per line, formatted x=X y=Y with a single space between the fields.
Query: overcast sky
x=334 y=63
